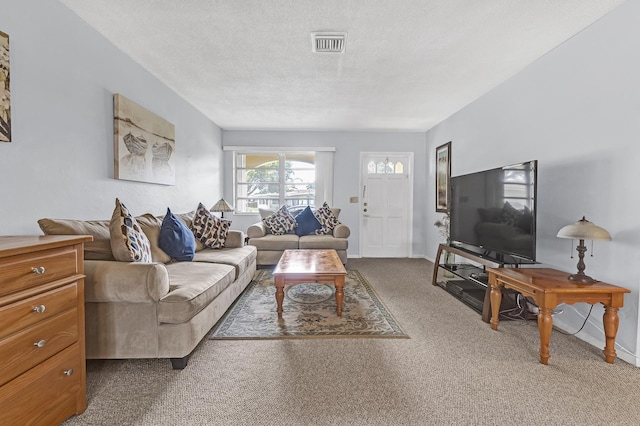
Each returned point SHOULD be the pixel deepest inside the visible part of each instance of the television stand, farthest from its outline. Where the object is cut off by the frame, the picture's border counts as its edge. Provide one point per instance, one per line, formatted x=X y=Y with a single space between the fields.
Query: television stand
x=467 y=282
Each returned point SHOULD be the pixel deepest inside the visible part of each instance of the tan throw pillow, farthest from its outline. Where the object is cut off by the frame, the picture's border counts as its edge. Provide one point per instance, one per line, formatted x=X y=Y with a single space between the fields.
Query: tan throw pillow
x=128 y=242
x=151 y=225
x=98 y=249
x=209 y=229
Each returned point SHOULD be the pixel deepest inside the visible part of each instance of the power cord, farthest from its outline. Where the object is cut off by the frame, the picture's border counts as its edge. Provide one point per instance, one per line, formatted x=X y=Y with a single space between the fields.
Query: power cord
x=581 y=327
x=522 y=317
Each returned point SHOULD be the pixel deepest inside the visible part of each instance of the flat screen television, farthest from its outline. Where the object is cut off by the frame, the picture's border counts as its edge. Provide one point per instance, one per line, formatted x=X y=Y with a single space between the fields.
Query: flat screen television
x=493 y=213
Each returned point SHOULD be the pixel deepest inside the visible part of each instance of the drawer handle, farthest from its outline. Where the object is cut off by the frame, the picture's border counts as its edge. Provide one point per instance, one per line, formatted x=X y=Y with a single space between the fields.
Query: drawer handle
x=68 y=372
x=40 y=343
x=38 y=271
x=39 y=309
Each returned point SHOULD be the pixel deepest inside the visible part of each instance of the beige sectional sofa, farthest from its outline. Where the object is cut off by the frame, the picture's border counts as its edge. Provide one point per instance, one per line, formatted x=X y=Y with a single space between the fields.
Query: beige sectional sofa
x=161 y=309
x=270 y=247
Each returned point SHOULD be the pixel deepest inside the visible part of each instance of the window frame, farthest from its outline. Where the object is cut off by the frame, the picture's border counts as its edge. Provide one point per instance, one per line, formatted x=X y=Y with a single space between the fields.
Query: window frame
x=282 y=174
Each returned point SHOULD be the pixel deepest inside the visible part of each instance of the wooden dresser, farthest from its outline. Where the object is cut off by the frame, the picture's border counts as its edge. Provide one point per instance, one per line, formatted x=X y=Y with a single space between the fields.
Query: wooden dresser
x=42 y=352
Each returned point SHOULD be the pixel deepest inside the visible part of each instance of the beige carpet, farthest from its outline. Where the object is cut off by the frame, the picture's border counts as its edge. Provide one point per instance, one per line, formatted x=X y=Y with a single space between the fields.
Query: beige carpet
x=309 y=311
x=453 y=371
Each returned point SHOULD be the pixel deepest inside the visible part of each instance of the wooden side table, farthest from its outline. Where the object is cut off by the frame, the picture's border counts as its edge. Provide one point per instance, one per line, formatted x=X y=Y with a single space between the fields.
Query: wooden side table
x=548 y=288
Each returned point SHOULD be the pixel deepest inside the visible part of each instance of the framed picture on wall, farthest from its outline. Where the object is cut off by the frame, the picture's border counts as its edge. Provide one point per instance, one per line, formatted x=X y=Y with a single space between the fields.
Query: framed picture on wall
x=443 y=177
x=144 y=144
x=5 y=92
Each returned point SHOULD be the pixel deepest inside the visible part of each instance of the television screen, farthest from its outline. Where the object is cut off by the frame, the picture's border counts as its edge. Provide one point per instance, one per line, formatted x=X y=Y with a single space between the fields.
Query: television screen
x=493 y=212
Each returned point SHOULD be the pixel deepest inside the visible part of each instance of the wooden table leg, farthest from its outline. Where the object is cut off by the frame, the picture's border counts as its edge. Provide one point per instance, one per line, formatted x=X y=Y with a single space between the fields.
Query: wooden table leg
x=496 y=299
x=610 y=320
x=339 y=284
x=545 y=325
x=279 y=294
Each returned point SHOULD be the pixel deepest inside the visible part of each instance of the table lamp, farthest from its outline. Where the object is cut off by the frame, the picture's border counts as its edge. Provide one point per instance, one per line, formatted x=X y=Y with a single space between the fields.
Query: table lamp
x=583 y=230
x=221 y=206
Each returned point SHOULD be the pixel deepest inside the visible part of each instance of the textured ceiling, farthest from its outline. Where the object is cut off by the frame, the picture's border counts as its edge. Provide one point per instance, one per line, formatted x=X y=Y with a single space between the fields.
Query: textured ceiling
x=408 y=65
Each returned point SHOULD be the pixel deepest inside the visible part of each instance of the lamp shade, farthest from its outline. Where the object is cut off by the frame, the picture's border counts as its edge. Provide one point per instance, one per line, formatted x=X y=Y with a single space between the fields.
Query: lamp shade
x=221 y=206
x=584 y=230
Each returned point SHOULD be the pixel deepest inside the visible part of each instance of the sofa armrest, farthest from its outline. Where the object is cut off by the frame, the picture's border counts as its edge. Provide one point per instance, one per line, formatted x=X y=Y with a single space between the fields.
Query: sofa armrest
x=257 y=230
x=341 y=231
x=132 y=282
x=234 y=239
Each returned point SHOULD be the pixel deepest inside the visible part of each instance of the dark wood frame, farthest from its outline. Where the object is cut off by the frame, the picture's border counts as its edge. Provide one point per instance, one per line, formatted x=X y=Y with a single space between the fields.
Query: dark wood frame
x=443 y=177
x=5 y=126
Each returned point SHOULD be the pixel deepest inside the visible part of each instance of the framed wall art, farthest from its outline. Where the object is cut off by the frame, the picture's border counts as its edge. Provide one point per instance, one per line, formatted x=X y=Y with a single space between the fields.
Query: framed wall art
x=443 y=177
x=5 y=92
x=144 y=144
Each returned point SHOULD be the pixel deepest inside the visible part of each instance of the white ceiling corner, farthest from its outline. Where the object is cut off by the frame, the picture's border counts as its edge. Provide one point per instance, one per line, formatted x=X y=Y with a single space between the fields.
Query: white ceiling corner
x=408 y=65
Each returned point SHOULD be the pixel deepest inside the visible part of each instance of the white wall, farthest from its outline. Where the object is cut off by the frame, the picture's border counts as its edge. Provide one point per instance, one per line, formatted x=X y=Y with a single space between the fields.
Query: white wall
x=346 y=170
x=60 y=163
x=576 y=110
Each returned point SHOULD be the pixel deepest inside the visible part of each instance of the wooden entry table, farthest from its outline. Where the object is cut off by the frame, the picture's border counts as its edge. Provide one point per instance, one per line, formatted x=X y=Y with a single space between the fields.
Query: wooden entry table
x=548 y=288
x=304 y=266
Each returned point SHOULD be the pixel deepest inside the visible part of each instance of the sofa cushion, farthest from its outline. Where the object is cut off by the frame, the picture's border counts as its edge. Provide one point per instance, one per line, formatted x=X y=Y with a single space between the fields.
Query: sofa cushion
x=275 y=242
x=151 y=225
x=176 y=239
x=307 y=222
x=324 y=242
x=98 y=249
x=327 y=219
x=240 y=258
x=128 y=242
x=192 y=286
x=209 y=229
x=280 y=222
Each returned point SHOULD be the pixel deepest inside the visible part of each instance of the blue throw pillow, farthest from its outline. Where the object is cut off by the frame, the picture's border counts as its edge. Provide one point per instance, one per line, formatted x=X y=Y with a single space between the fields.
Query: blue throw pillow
x=176 y=239
x=307 y=222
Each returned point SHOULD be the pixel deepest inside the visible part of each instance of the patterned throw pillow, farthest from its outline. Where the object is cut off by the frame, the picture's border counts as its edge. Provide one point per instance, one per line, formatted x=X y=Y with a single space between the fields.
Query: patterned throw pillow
x=128 y=242
x=280 y=222
x=209 y=229
x=326 y=218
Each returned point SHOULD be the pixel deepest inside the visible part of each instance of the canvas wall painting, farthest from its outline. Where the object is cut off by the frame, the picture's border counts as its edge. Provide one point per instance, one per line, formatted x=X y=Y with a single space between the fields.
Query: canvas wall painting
x=5 y=92
x=144 y=144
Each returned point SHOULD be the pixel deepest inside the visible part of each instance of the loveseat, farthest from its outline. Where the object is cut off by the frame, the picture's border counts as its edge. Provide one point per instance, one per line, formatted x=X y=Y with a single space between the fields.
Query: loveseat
x=270 y=246
x=160 y=309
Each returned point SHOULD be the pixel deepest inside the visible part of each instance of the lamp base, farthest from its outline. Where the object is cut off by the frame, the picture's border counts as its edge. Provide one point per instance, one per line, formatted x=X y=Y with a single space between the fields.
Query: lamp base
x=582 y=278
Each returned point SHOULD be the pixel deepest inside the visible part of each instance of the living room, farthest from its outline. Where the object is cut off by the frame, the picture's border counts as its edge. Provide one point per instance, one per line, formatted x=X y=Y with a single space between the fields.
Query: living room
x=574 y=110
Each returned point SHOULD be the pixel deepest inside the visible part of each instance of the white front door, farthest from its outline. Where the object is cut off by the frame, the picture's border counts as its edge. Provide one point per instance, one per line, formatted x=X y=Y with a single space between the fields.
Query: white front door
x=386 y=204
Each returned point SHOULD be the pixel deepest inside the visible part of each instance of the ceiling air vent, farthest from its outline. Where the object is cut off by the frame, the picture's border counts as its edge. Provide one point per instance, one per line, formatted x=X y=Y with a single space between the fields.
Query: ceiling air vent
x=328 y=42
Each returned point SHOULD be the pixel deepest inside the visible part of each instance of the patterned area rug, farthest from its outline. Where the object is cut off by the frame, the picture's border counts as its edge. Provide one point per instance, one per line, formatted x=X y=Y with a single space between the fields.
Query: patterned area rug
x=309 y=310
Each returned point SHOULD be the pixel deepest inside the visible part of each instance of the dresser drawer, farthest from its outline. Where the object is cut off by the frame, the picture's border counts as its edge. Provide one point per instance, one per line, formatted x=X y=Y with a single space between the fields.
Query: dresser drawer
x=46 y=394
x=23 y=350
x=26 y=312
x=33 y=269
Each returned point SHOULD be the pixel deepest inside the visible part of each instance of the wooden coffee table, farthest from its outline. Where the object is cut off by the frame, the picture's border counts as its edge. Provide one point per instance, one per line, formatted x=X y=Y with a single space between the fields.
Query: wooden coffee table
x=310 y=266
